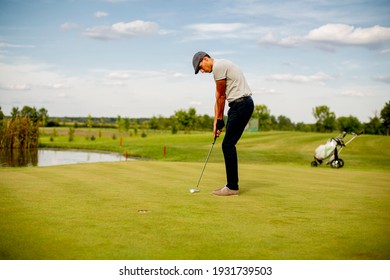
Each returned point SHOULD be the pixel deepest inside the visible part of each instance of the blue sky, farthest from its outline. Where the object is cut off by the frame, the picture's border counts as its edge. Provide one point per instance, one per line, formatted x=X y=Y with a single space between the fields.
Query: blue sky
x=134 y=57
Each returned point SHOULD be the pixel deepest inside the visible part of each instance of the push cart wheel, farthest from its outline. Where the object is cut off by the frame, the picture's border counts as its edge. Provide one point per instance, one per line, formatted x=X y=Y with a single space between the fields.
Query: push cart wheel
x=337 y=163
x=314 y=163
x=334 y=163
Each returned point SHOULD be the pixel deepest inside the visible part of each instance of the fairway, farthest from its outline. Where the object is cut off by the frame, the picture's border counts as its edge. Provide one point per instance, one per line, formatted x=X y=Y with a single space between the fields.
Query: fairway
x=143 y=210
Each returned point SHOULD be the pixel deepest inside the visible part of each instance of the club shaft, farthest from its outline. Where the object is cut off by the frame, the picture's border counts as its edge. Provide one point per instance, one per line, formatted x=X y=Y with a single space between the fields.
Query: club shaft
x=207 y=159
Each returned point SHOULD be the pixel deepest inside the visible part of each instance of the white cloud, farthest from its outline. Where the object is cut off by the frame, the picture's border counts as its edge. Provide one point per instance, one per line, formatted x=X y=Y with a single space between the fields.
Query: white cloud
x=24 y=75
x=195 y=103
x=100 y=14
x=269 y=39
x=15 y=87
x=17 y=46
x=222 y=53
x=217 y=27
x=167 y=31
x=178 y=75
x=115 y=1
x=69 y=25
x=330 y=35
x=354 y=93
x=384 y=52
x=212 y=31
x=134 y=74
x=121 y=75
x=266 y=91
x=318 y=77
x=383 y=79
x=343 y=34
x=122 y=30
x=57 y=86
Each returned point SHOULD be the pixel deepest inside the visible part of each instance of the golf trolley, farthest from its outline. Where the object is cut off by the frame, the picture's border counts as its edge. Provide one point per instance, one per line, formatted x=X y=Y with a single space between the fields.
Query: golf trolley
x=331 y=150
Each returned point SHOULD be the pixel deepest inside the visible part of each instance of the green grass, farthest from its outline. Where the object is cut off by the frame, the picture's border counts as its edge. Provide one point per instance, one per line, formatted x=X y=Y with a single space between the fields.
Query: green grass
x=286 y=210
x=296 y=148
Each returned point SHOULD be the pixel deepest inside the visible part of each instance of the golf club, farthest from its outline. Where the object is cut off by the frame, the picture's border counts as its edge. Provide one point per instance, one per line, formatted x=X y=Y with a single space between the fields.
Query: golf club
x=195 y=190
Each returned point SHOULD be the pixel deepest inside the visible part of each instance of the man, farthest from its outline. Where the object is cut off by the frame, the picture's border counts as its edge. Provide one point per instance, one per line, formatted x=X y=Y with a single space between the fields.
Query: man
x=231 y=86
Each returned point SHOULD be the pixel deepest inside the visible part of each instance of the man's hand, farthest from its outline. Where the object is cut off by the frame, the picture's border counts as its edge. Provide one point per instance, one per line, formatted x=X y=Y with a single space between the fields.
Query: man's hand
x=218 y=126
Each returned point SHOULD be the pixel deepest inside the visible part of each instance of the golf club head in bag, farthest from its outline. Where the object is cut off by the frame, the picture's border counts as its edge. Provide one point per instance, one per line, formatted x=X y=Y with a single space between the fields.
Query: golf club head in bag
x=196 y=189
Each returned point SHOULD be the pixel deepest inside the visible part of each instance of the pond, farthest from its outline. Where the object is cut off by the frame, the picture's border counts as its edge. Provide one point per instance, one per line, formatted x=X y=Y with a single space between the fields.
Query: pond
x=50 y=157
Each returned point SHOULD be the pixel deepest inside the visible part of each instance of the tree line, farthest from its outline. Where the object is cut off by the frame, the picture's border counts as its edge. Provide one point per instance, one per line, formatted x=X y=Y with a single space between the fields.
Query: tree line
x=326 y=121
x=189 y=120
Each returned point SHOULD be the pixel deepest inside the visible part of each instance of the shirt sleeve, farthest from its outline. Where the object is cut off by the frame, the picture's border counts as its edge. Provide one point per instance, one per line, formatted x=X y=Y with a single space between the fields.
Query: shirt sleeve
x=219 y=70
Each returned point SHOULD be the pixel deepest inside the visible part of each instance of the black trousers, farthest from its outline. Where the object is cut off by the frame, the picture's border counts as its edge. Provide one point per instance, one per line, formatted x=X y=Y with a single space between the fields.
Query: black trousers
x=239 y=115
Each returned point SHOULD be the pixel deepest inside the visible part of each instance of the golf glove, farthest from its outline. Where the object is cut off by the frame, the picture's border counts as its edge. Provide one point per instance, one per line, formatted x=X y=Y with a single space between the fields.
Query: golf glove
x=220 y=124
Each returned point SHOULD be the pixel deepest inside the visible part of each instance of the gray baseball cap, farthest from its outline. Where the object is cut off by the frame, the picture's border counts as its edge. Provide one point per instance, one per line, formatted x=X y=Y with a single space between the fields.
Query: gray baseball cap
x=198 y=57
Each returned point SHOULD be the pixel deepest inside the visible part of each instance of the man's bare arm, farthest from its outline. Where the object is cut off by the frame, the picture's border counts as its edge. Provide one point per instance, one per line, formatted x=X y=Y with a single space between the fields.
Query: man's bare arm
x=220 y=99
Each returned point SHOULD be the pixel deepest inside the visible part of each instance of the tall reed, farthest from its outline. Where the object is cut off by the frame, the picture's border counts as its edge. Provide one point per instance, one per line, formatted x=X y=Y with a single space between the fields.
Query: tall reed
x=19 y=133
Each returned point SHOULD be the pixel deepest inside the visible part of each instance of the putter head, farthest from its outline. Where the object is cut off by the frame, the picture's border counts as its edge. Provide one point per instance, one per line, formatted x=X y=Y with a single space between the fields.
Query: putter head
x=194 y=190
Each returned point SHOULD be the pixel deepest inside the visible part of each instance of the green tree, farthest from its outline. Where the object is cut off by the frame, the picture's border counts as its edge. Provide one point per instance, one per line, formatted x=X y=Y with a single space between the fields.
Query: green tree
x=102 y=122
x=385 y=117
x=263 y=114
x=205 y=122
x=126 y=124
x=153 y=123
x=1 y=114
x=119 y=122
x=30 y=113
x=285 y=123
x=304 y=127
x=15 y=112
x=2 y=126
x=43 y=116
x=135 y=126
x=374 y=126
x=186 y=119
x=349 y=124
x=326 y=120
x=89 y=122
x=71 y=134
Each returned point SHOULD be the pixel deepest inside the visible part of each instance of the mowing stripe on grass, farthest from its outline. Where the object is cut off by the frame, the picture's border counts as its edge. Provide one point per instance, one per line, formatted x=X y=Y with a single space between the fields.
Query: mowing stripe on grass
x=91 y=211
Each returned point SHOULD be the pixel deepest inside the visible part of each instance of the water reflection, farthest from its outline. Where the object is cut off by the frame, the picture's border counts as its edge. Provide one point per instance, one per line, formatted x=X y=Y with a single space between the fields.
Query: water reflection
x=49 y=157
x=19 y=157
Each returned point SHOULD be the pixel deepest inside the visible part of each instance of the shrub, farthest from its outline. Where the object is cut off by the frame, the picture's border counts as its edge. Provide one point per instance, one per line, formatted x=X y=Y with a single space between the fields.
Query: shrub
x=71 y=134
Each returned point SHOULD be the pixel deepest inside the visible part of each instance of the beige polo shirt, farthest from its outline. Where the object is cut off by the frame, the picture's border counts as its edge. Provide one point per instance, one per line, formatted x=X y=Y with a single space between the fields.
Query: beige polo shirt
x=236 y=84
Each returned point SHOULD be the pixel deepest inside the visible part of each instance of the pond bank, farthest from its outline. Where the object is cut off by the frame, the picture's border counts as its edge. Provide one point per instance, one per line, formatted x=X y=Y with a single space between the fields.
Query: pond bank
x=54 y=156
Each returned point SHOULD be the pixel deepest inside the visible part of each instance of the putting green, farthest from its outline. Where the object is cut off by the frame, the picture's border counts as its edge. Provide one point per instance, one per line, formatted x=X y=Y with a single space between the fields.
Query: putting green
x=144 y=210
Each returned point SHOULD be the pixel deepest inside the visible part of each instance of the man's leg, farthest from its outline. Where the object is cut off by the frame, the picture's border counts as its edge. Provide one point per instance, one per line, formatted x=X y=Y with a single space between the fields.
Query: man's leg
x=238 y=117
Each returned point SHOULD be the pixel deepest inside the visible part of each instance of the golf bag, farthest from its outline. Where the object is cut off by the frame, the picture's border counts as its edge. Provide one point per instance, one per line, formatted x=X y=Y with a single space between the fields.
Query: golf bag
x=331 y=150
